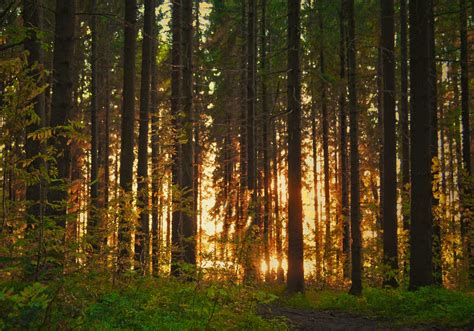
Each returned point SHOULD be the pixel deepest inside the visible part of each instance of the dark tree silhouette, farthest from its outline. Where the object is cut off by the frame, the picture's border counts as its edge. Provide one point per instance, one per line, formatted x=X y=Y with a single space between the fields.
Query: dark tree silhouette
x=421 y=226
x=295 y=282
x=389 y=182
x=127 y=131
x=356 y=254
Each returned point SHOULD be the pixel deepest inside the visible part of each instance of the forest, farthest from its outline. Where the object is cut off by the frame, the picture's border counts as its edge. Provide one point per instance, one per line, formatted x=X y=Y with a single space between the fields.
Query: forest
x=236 y=164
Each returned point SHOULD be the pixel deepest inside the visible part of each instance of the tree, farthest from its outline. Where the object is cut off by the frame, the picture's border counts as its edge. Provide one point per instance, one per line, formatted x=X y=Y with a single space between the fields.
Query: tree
x=33 y=20
x=421 y=218
x=325 y=122
x=468 y=243
x=155 y=182
x=343 y=141
x=389 y=181
x=127 y=131
x=61 y=105
x=186 y=185
x=176 y=92
x=142 y=235
x=404 y=132
x=94 y=193
x=295 y=282
x=437 y=256
x=266 y=141
x=356 y=274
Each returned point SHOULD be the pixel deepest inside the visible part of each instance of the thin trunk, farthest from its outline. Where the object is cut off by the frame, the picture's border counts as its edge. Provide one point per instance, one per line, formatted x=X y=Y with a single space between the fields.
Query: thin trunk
x=325 y=122
x=156 y=182
x=343 y=147
x=389 y=187
x=93 y=222
x=266 y=143
x=127 y=133
x=186 y=185
x=276 y=206
x=142 y=235
x=356 y=254
x=437 y=257
x=466 y=180
x=243 y=129
x=176 y=94
x=404 y=130
x=33 y=19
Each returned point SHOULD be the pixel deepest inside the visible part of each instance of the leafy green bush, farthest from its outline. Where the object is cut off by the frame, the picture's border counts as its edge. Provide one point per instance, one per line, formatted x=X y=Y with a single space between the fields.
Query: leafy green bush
x=23 y=307
x=171 y=305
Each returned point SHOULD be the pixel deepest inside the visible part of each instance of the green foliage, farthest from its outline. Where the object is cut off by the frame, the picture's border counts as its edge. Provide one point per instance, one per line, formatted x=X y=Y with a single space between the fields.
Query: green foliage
x=426 y=306
x=171 y=305
x=22 y=308
x=95 y=303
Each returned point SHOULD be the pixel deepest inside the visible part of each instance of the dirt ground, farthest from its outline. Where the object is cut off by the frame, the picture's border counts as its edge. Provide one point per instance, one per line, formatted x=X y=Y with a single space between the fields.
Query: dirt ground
x=304 y=319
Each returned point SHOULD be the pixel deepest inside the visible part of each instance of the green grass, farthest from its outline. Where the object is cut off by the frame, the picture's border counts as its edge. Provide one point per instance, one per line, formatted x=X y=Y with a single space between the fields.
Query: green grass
x=426 y=306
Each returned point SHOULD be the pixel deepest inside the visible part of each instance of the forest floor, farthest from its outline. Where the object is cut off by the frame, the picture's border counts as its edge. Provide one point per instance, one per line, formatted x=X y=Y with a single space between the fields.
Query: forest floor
x=311 y=319
x=376 y=309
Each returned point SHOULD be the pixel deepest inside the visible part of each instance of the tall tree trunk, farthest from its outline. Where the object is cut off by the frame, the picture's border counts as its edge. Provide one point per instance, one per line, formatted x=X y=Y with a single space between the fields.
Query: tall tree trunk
x=421 y=227
x=437 y=257
x=197 y=134
x=243 y=129
x=251 y=94
x=33 y=19
x=251 y=263
x=266 y=142
x=325 y=122
x=176 y=94
x=378 y=194
x=61 y=105
x=186 y=165
x=314 y=147
x=343 y=147
x=127 y=132
x=389 y=187
x=156 y=181
x=295 y=282
x=35 y=193
x=92 y=223
x=142 y=235
x=356 y=254
x=466 y=208
x=276 y=206
x=404 y=131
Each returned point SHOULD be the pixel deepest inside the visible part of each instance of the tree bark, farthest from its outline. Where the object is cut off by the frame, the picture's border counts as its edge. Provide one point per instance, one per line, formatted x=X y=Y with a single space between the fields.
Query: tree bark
x=156 y=181
x=61 y=104
x=466 y=208
x=142 y=235
x=186 y=185
x=356 y=254
x=325 y=122
x=33 y=19
x=295 y=282
x=404 y=130
x=266 y=142
x=343 y=146
x=437 y=255
x=176 y=94
x=93 y=222
x=389 y=188
x=421 y=227
x=127 y=132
